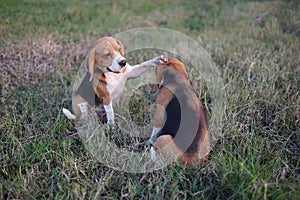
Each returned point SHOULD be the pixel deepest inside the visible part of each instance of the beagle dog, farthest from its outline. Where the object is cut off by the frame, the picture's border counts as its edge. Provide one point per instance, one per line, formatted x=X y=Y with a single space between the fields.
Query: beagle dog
x=104 y=83
x=180 y=126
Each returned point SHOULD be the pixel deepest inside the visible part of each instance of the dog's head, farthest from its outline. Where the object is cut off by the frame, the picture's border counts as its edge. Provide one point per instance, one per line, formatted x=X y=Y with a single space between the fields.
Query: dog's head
x=171 y=70
x=106 y=54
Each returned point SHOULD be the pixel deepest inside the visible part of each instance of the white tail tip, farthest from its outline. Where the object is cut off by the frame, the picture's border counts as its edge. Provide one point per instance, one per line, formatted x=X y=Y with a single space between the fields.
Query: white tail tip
x=68 y=114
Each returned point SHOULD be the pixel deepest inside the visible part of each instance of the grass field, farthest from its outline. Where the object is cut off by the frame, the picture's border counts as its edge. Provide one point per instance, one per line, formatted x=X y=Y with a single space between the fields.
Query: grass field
x=255 y=45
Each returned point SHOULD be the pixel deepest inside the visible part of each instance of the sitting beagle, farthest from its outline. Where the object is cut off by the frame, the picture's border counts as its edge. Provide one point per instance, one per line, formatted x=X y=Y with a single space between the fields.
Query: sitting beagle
x=104 y=83
x=180 y=126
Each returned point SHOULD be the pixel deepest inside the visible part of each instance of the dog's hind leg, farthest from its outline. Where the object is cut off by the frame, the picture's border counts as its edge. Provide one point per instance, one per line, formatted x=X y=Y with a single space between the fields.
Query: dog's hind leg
x=169 y=152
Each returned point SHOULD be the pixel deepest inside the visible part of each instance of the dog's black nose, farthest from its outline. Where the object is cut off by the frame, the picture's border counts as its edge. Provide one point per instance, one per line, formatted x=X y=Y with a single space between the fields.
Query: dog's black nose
x=122 y=63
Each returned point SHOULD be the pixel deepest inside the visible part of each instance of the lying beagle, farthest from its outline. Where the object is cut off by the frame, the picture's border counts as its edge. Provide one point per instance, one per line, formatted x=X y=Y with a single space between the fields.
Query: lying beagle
x=104 y=83
x=180 y=126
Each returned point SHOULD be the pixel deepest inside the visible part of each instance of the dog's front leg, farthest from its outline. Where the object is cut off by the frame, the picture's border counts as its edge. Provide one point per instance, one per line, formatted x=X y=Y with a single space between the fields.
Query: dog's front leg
x=137 y=70
x=151 y=141
x=109 y=113
x=159 y=121
x=154 y=135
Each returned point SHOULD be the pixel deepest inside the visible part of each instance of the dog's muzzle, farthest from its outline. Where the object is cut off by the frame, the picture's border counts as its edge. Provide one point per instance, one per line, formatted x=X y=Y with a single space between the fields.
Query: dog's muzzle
x=118 y=64
x=108 y=69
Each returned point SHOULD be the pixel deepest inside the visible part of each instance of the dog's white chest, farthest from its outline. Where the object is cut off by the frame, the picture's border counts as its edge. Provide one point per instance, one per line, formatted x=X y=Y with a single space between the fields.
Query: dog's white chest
x=115 y=85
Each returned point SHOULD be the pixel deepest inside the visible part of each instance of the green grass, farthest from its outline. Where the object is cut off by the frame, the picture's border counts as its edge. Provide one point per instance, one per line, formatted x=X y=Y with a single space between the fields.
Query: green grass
x=43 y=44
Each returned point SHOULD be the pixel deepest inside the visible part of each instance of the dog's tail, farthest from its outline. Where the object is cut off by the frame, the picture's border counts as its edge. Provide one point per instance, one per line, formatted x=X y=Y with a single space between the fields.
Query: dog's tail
x=68 y=114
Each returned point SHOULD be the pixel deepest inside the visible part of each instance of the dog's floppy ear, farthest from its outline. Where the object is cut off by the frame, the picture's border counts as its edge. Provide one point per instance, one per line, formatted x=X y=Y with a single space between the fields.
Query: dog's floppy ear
x=122 y=47
x=178 y=66
x=91 y=63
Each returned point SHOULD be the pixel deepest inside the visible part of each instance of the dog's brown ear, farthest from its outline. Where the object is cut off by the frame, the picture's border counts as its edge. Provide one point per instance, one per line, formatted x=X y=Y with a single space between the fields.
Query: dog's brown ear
x=178 y=66
x=122 y=47
x=91 y=63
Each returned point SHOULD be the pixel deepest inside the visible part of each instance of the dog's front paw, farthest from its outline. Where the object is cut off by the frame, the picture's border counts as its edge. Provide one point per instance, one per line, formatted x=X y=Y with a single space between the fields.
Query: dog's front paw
x=160 y=60
x=153 y=154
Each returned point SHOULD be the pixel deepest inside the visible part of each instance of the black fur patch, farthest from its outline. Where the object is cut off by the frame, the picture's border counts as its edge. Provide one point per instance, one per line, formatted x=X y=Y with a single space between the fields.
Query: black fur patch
x=86 y=91
x=172 y=123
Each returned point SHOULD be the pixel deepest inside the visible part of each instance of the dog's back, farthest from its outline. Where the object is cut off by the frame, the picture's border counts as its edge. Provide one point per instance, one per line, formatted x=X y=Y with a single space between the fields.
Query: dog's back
x=186 y=119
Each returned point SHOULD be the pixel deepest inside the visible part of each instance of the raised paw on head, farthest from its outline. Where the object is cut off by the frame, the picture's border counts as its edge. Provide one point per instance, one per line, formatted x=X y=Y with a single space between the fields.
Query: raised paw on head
x=160 y=60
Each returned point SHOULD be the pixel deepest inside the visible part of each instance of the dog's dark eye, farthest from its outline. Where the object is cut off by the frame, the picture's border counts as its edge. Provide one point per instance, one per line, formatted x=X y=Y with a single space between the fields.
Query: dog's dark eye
x=108 y=54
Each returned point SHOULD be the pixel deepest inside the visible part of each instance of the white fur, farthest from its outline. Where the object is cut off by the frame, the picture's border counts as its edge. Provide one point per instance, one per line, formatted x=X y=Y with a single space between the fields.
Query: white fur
x=115 y=67
x=116 y=82
x=153 y=154
x=84 y=109
x=153 y=135
x=115 y=85
x=68 y=114
x=109 y=113
x=151 y=141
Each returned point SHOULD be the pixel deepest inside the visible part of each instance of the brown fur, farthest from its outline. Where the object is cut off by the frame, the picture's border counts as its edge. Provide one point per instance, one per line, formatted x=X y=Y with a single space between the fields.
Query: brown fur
x=165 y=144
x=101 y=54
x=104 y=83
x=100 y=57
